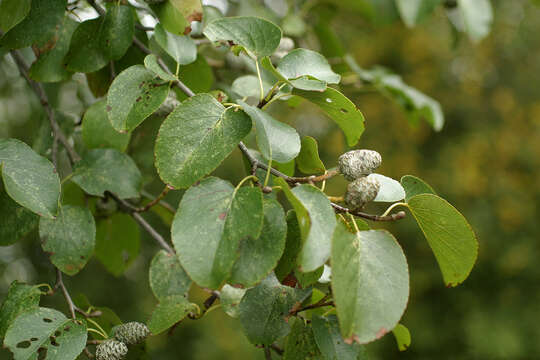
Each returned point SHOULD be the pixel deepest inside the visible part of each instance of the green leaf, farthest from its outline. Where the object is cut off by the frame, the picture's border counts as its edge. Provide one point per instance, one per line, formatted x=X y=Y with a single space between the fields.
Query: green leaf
x=167 y=277
x=69 y=239
x=308 y=160
x=403 y=337
x=264 y=310
x=16 y=220
x=317 y=222
x=117 y=31
x=37 y=27
x=390 y=190
x=20 y=298
x=277 y=141
x=49 y=65
x=29 y=179
x=331 y=343
x=97 y=131
x=414 y=11
x=182 y=48
x=258 y=256
x=97 y=41
x=306 y=279
x=258 y=36
x=47 y=329
x=219 y=217
x=340 y=109
x=248 y=86
x=304 y=82
x=13 y=12
x=303 y=62
x=176 y=15
x=293 y=245
x=300 y=344
x=415 y=186
x=198 y=76
x=151 y=63
x=370 y=283
x=449 y=235
x=133 y=96
x=477 y=17
x=117 y=242
x=229 y=298
x=414 y=103
x=195 y=138
x=169 y=311
x=103 y=170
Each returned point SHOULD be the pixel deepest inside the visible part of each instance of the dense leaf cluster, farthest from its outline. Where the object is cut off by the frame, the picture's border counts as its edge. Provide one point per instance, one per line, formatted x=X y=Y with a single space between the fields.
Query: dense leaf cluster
x=300 y=269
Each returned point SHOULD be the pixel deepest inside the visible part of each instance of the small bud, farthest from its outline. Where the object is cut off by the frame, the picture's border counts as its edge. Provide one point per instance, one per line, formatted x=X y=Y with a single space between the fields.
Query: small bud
x=357 y=163
x=361 y=191
x=131 y=333
x=111 y=350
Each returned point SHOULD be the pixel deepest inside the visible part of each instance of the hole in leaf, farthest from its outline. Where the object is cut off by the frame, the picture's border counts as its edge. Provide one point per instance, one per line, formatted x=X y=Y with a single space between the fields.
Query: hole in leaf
x=328 y=100
x=57 y=333
x=34 y=339
x=343 y=110
x=24 y=344
x=53 y=341
x=47 y=320
x=67 y=328
x=42 y=353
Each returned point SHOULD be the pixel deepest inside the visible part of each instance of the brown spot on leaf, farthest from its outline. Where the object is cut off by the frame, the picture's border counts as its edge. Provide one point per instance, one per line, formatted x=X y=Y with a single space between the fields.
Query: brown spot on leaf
x=222 y=215
x=109 y=108
x=381 y=333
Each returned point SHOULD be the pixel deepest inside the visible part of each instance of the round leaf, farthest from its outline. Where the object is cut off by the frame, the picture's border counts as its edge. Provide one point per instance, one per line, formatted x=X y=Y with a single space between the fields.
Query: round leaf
x=449 y=235
x=97 y=131
x=168 y=312
x=117 y=31
x=331 y=343
x=229 y=298
x=13 y=12
x=195 y=138
x=390 y=190
x=304 y=62
x=108 y=170
x=370 y=283
x=182 y=48
x=258 y=256
x=20 y=298
x=277 y=141
x=177 y=15
x=260 y=37
x=69 y=239
x=207 y=229
x=151 y=63
x=133 y=96
x=403 y=337
x=308 y=160
x=16 y=220
x=167 y=277
x=415 y=186
x=300 y=343
x=29 y=179
x=46 y=333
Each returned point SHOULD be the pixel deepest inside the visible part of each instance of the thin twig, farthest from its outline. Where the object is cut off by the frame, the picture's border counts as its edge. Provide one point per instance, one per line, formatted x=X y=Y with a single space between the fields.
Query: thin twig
x=60 y=284
x=162 y=203
x=155 y=201
x=393 y=217
x=312 y=306
x=267 y=353
x=101 y=11
x=277 y=349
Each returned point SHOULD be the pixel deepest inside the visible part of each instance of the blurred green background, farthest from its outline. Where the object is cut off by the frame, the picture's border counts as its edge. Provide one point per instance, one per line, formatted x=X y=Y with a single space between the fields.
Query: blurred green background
x=485 y=162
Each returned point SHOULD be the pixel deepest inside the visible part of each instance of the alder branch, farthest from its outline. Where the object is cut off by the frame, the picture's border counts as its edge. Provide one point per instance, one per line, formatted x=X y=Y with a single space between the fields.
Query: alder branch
x=393 y=217
x=156 y=200
x=312 y=306
x=60 y=284
x=267 y=353
x=161 y=203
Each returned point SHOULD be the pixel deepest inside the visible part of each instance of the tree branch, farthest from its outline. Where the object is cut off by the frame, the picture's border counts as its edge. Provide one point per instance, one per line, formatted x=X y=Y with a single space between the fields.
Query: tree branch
x=60 y=284
x=393 y=217
x=267 y=353
x=155 y=201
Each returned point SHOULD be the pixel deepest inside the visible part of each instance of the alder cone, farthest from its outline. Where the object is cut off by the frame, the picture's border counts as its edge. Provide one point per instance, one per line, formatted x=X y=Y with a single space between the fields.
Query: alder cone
x=111 y=350
x=361 y=191
x=357 y=163
x=131 y=333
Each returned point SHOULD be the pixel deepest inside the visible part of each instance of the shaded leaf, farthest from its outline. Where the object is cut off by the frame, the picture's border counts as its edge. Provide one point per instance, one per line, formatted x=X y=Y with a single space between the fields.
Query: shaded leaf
x=49 y=65
x=264 y=310
x=117 y=242
x=198 y=76
x=169 y=311
x=258 y=256
x=97 y=131
x=195 y=138
x=258 y=36
x=37 y=27
x=308 y=160
x=414 y=11
x=167 y=277
x=151 y=63
x=20 y=298
x=47 y=329
x=390 y=190
x=293 y=245
x=182 y=48
x=340 y=109
x=449 y=235
x=103 y=170
x=133 y=96
x=69 y=239
x=218 y=216
x=300 y=344
x=306 y=279
x=403 y=337
x=248 y=85
x=300 y=65
x=370 y=283
x=331 y=343
x=13 y=12
x=117 y=31
x=276 y=140
x=177 y=15
x=317 y=222
x=415 y=186
x=16 y=220
x=29 y=179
